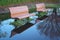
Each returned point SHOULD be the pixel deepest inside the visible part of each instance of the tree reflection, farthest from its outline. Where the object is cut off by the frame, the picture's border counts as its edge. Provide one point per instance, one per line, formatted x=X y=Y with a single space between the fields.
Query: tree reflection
x=51 y=26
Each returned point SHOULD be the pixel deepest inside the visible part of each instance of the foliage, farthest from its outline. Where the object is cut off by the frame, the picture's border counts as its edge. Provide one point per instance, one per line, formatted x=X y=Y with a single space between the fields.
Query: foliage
x=4 y=16
x=19 y=22
x=29 y=19
x=32 y=9
x=41 y=14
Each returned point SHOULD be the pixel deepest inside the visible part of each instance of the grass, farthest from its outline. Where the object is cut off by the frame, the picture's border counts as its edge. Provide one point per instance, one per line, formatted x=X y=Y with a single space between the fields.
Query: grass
x=52 y=5
x=9 y=2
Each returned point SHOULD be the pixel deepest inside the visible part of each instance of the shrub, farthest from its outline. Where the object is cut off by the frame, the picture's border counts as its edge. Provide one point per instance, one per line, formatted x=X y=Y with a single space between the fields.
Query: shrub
x=41 y=14
x=19 y=22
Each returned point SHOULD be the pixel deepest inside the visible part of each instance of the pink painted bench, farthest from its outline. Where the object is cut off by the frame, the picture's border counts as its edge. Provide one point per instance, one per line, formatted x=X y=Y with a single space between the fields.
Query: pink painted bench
x=41 y=7
x=20 y=12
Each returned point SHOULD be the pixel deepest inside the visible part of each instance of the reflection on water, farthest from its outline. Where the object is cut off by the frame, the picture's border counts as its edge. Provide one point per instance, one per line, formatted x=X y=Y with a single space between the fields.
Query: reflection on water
x=6 y=28
x=50 y=28
x=30 y=34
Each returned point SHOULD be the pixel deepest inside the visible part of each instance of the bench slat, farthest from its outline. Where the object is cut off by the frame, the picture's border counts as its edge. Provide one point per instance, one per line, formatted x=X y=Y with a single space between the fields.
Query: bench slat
x=26 y=15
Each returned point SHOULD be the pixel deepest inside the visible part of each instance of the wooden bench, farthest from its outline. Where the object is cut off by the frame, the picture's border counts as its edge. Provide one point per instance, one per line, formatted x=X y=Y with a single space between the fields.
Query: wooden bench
x=20 y=12
x=23 y=11
x=41 y=7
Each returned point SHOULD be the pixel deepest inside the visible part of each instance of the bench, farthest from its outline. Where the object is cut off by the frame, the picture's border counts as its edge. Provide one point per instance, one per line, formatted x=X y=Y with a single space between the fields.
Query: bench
x=41 y=7
x=20 y=12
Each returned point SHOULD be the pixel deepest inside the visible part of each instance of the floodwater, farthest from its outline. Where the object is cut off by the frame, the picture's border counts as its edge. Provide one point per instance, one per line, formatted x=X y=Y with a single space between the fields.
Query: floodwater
x=32 y=33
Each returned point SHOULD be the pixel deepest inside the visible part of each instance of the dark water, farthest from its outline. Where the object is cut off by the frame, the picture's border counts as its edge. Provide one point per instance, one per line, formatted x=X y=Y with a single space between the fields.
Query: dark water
x=32 y=33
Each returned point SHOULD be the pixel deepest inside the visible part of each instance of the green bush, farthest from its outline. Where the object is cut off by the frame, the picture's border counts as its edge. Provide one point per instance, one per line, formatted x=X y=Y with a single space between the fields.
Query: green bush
x=32 y=8
x=19 y=22
x=4 y=16
x=41 y=14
